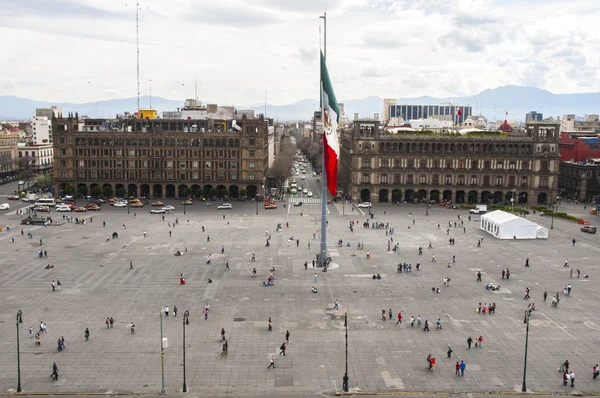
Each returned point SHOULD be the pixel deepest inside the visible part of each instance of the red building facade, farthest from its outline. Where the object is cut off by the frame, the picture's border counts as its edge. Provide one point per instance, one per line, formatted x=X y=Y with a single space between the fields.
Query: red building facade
x=578 y=147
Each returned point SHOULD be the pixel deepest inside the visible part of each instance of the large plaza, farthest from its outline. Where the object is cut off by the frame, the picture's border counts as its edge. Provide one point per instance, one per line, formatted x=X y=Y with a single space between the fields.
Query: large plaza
x=382 y=356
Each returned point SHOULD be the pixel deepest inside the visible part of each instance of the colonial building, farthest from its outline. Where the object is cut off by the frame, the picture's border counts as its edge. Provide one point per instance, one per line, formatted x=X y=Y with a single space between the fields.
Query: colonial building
x=8 y=151
x=477 y=168
x=161 y=157
x=580 y=180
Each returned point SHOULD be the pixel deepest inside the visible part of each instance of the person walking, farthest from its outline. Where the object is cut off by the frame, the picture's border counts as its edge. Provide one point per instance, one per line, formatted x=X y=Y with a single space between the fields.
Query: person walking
x=270 y=325
x=315 y=277
x=480 y=341
x=107 y=323
x=449 y=351
x=287 y=336
x=132 y=327
x=87 y=334
x=463 y=366
x=469 y=342
x=572 y=377
x=271 y=362
x=130 y=264
x=399 y=318
x=175 y=310
x=53 y=286
x=222 y=334
x=457 y=367
x=282 y=348
x=111 y=321
x=545 y=295
x=54 y=375
x=336 y=304
x=433 y=258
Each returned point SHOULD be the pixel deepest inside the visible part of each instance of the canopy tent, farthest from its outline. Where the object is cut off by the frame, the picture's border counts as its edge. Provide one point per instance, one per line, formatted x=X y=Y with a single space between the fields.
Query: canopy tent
x=504 y=225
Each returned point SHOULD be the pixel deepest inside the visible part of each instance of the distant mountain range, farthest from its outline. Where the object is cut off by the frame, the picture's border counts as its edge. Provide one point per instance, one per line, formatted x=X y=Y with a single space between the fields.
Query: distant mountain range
x=492 y=103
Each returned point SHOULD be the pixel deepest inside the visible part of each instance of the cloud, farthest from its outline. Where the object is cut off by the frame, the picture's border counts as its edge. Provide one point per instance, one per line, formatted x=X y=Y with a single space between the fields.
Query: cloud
x=473 y=19
x=233 y=16
x=308 y=55
x=383 y=40
x=55 y=8
x=316 y=7
x=371 y=71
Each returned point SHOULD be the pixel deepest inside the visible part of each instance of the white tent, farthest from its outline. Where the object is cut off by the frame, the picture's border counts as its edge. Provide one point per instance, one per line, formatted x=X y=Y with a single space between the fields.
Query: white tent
x=504 y=225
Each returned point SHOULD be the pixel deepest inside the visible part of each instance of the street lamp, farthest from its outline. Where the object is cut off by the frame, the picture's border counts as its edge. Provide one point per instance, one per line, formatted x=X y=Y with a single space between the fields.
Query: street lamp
x=426 y=206
x=186 y=321
x=184 y=204
x=552 y=223
x=346 y=378
x=162 y=356
x=527 y=315
x=257 y=204
x=19 y=320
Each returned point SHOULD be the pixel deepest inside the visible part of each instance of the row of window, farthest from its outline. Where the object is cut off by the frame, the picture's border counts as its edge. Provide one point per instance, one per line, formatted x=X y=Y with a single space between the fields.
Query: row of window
x=437 y=164
x=44 y=153
x=158 y=164
x=509 y=149
x=157 y=175
x=436 y=179
x=159 y=142
x=182 y=153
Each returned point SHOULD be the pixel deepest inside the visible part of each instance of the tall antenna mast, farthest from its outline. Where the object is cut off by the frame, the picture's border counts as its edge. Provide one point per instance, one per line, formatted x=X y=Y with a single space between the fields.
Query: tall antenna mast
x=137 y=43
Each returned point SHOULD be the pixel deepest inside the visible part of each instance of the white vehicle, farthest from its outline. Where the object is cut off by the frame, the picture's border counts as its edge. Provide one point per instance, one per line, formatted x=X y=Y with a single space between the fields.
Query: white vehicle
x=365 y=205
x=158 y=211
x=303 y=177
x=63 y=208
x=305 y=190
x=168 y=207
x=120 y=204
x=225 y=206
x=4 y=206
x=68 y=197
x=309 y=194
x=475 y=211
x=481 y=208
x=45 y=202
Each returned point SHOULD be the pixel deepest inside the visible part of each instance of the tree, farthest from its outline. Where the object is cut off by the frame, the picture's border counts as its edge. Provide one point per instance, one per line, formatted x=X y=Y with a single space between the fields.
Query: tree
x=97 y=191
x=83 y=190
x=45 y=180
x=107 y=190
x=69 y=189
x=25 y=172
x=121 y=192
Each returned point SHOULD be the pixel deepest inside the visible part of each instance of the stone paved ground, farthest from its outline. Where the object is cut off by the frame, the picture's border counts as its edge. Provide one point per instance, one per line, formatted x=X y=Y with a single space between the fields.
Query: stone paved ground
x=383 y=356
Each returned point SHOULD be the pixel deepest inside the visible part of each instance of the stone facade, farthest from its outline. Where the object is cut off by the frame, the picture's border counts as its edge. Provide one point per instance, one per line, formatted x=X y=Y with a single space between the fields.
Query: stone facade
x=417 y=167
x=580 y=180
x=8 y=151
x=161 y=157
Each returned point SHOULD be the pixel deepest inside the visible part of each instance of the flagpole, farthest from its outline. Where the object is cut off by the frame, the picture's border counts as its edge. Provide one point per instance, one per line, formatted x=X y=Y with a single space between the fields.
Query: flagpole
x=323 y=255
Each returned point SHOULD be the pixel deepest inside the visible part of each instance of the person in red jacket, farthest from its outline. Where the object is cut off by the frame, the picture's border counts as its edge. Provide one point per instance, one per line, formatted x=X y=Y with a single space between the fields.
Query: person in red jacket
x=399 y=318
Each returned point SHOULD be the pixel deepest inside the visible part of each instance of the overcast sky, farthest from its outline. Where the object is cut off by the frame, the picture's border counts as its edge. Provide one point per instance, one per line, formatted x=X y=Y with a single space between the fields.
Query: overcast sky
x=84 y=50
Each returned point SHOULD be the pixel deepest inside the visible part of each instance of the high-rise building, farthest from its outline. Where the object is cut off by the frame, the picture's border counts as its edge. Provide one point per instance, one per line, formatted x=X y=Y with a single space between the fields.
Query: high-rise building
x=534 y=116
x=454 y=112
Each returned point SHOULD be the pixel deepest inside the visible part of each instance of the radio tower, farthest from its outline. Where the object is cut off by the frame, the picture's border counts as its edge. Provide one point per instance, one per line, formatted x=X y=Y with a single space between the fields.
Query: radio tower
x=137 y=42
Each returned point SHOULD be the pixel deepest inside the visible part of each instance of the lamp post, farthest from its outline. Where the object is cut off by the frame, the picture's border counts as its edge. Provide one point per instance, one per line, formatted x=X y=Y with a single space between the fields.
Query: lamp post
x=527 y=315
x=127 y=206
x=186 y=321
x=162 y=356
x=345 y=382
x=426 y=206
x=19 y=320
x=552 y=223
x=184 y=204
x=257 y=204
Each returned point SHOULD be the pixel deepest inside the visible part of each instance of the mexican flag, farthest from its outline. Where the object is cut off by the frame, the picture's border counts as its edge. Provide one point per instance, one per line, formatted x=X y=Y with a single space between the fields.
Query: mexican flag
x=330 y=115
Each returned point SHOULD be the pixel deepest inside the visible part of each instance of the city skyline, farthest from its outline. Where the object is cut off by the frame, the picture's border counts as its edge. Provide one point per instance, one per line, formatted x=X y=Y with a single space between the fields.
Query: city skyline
x=81 y=50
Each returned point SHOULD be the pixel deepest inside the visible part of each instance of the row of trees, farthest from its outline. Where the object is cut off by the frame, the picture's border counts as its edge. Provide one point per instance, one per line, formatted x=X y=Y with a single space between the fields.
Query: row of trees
x=312 y=151
x=284 y=162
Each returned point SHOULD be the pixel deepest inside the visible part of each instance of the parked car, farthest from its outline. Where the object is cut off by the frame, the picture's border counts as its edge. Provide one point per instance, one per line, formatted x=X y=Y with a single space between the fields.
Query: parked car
x=188 y=202
x=92 y=208
x=13 y=197
x=63 y=208
x=475 y=211
x=158 y=211
x=270 y=205
x=137 y=204
x=158 y=203
x=588 y=229
x=365 y=205
x=43 y=209
x=168 y=207
x=225 y=206
x=120 y=204
x=4 y=206
x=79 y=209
